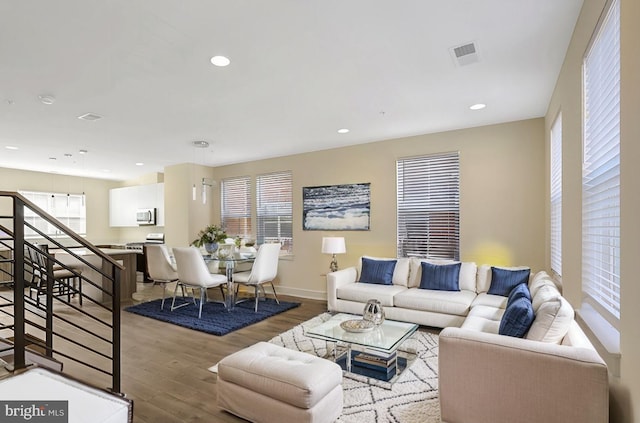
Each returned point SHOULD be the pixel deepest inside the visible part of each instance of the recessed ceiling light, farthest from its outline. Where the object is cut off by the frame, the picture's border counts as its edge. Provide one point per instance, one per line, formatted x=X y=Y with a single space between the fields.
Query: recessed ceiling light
x=343 y=131
x=11 y=147
x=90 y=116
x=52 y=158
x=106 y=170
x=478 y=106
x=47 y=99
x=82 y=151
x=200 y=144
x=220 y=61
x=139 y=164
x=68 y=155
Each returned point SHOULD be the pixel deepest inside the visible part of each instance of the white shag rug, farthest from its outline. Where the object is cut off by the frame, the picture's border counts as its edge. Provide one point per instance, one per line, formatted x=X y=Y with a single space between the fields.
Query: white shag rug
x=413 y=398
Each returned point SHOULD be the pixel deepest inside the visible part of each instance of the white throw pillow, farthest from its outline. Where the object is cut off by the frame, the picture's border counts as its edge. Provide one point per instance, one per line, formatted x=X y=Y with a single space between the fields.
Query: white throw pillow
x=468 y=272
x=552 y=321
x=544 y=294
x=539 y=279
x=484 y=278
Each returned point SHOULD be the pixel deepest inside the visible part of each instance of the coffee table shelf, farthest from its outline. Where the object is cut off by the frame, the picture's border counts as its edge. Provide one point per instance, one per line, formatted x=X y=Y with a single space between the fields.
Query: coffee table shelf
x=381 y=342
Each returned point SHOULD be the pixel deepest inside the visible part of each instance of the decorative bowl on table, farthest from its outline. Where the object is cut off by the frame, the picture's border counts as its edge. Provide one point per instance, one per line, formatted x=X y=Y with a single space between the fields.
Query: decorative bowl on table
x=357 y=325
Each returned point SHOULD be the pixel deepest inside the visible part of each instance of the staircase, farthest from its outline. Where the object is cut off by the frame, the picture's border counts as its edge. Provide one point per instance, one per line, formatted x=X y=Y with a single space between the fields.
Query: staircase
x=50 y=314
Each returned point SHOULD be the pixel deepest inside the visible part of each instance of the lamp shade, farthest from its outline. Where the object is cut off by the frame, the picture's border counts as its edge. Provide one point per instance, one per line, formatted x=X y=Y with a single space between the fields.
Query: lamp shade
x=333 y=245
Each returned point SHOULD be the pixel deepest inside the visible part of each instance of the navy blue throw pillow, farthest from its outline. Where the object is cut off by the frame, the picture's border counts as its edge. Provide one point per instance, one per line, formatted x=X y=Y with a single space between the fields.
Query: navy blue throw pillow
x=521 y=290
x=443 y=277
x=504 y=280
x=377 y=271
x=517 y=318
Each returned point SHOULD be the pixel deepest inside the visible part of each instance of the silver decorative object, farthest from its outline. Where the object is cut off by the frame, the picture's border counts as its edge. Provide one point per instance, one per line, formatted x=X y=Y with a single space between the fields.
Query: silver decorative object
x=373 y=312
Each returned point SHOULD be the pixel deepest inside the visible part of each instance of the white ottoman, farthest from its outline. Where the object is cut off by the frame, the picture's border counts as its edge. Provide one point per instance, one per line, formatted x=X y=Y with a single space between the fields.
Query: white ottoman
x=268 y=383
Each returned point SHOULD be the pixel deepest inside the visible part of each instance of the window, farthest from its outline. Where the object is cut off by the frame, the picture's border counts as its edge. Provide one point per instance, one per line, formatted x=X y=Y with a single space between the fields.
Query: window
x=555 y=192
x=274 y=209
x=601 y=170
x=236 y=206
x=428 y=206
x=69 y=209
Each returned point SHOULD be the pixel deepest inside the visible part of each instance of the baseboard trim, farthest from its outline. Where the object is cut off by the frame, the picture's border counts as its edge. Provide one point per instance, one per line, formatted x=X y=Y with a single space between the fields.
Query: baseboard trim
x=302 y=293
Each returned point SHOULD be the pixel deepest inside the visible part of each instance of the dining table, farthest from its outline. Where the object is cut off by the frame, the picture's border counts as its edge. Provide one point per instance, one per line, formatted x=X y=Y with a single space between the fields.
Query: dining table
x=229 y=263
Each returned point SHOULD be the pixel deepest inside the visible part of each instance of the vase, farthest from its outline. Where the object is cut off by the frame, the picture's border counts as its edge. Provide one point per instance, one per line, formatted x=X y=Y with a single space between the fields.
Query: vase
x=225 y=251
x=211 y=247
x=373 y=312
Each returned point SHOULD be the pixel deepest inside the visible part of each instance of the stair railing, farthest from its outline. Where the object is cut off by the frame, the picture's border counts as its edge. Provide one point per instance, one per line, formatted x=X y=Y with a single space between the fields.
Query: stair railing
x=76 y=319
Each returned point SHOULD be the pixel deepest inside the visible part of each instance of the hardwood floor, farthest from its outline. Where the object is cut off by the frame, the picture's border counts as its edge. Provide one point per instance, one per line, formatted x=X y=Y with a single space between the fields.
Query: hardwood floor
x=164 y=367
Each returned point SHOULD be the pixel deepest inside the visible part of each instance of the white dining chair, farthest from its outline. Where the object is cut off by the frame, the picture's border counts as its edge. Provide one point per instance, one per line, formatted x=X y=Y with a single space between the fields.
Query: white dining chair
x=193 y=273
x=264 y=270
x=159 y=267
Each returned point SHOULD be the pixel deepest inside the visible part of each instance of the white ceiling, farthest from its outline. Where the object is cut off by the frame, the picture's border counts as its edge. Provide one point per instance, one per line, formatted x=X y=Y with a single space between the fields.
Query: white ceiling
x=300 y=70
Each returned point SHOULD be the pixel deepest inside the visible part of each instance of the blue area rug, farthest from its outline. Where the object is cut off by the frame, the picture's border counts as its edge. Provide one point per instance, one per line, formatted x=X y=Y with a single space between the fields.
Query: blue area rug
x=215 y=320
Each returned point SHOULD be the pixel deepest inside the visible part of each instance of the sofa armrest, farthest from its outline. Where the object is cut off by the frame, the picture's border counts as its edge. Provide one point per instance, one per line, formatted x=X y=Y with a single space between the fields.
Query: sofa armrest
x=489 y=378
x=337 y=279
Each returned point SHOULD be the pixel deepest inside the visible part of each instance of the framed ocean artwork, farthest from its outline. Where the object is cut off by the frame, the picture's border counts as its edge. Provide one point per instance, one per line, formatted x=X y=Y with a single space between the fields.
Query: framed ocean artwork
x=336 y=207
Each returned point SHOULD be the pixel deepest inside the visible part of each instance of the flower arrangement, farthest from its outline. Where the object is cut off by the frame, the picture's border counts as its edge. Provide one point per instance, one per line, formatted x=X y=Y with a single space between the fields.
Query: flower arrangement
x=210 y=235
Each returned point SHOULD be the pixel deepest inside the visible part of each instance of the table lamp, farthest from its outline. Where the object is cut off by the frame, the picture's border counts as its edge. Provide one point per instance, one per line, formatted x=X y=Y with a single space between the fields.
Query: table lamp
x=333 y=245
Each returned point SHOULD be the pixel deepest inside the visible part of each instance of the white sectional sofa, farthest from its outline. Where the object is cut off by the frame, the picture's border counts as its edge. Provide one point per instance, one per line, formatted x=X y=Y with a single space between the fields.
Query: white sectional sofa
x=403 y=300
x=551 y=374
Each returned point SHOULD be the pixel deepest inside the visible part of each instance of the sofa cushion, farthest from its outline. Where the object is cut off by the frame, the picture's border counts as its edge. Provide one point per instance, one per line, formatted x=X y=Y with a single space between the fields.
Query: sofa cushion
x=539 y=279
x=517 y=317
x=520 y=291
x=552 y=321
x=400 y=273
x=466 y=280
x=484 y=276
x=487 y=312
x=543 y=294
x=363 y=292
x=496 y=301
x=504 y=280
x=481 y=324
x=377 y=271
x=449 y=302
x=440 y=277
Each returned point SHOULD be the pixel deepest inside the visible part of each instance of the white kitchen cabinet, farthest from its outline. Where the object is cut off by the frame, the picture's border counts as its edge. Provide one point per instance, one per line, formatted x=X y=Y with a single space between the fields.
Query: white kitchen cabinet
x=124 y=202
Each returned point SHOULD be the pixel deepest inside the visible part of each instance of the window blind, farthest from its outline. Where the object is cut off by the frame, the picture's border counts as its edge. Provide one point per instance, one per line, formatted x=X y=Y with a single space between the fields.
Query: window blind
x=428 y=206
x=236 y=206
x=274 y=210
x=556 y=197
x=601 y=170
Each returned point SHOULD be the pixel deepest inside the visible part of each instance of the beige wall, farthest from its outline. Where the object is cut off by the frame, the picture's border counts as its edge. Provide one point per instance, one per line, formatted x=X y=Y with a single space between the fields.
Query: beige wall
x=502 y=198
x=630 y=211
x=567 y=97
x=184 y=217
x=96 y=191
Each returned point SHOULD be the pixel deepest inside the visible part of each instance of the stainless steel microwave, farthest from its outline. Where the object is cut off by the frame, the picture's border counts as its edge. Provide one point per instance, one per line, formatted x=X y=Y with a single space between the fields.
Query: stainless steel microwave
x=146 y=216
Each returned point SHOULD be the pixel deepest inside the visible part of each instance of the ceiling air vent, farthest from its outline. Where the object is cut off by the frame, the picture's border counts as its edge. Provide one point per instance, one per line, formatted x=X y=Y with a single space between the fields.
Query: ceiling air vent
x=90 y=116
x=465 y=54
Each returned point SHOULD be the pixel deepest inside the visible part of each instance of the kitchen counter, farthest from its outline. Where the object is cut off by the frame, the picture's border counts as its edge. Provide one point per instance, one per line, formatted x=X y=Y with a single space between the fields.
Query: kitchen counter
x=124 y=257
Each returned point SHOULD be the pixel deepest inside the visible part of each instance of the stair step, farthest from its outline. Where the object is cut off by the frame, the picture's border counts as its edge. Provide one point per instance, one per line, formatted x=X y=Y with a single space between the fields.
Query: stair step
x=33 y=355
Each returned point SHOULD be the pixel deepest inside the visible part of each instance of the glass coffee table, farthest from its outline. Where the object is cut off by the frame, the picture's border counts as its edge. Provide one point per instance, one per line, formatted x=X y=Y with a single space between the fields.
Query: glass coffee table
x=367 y=351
